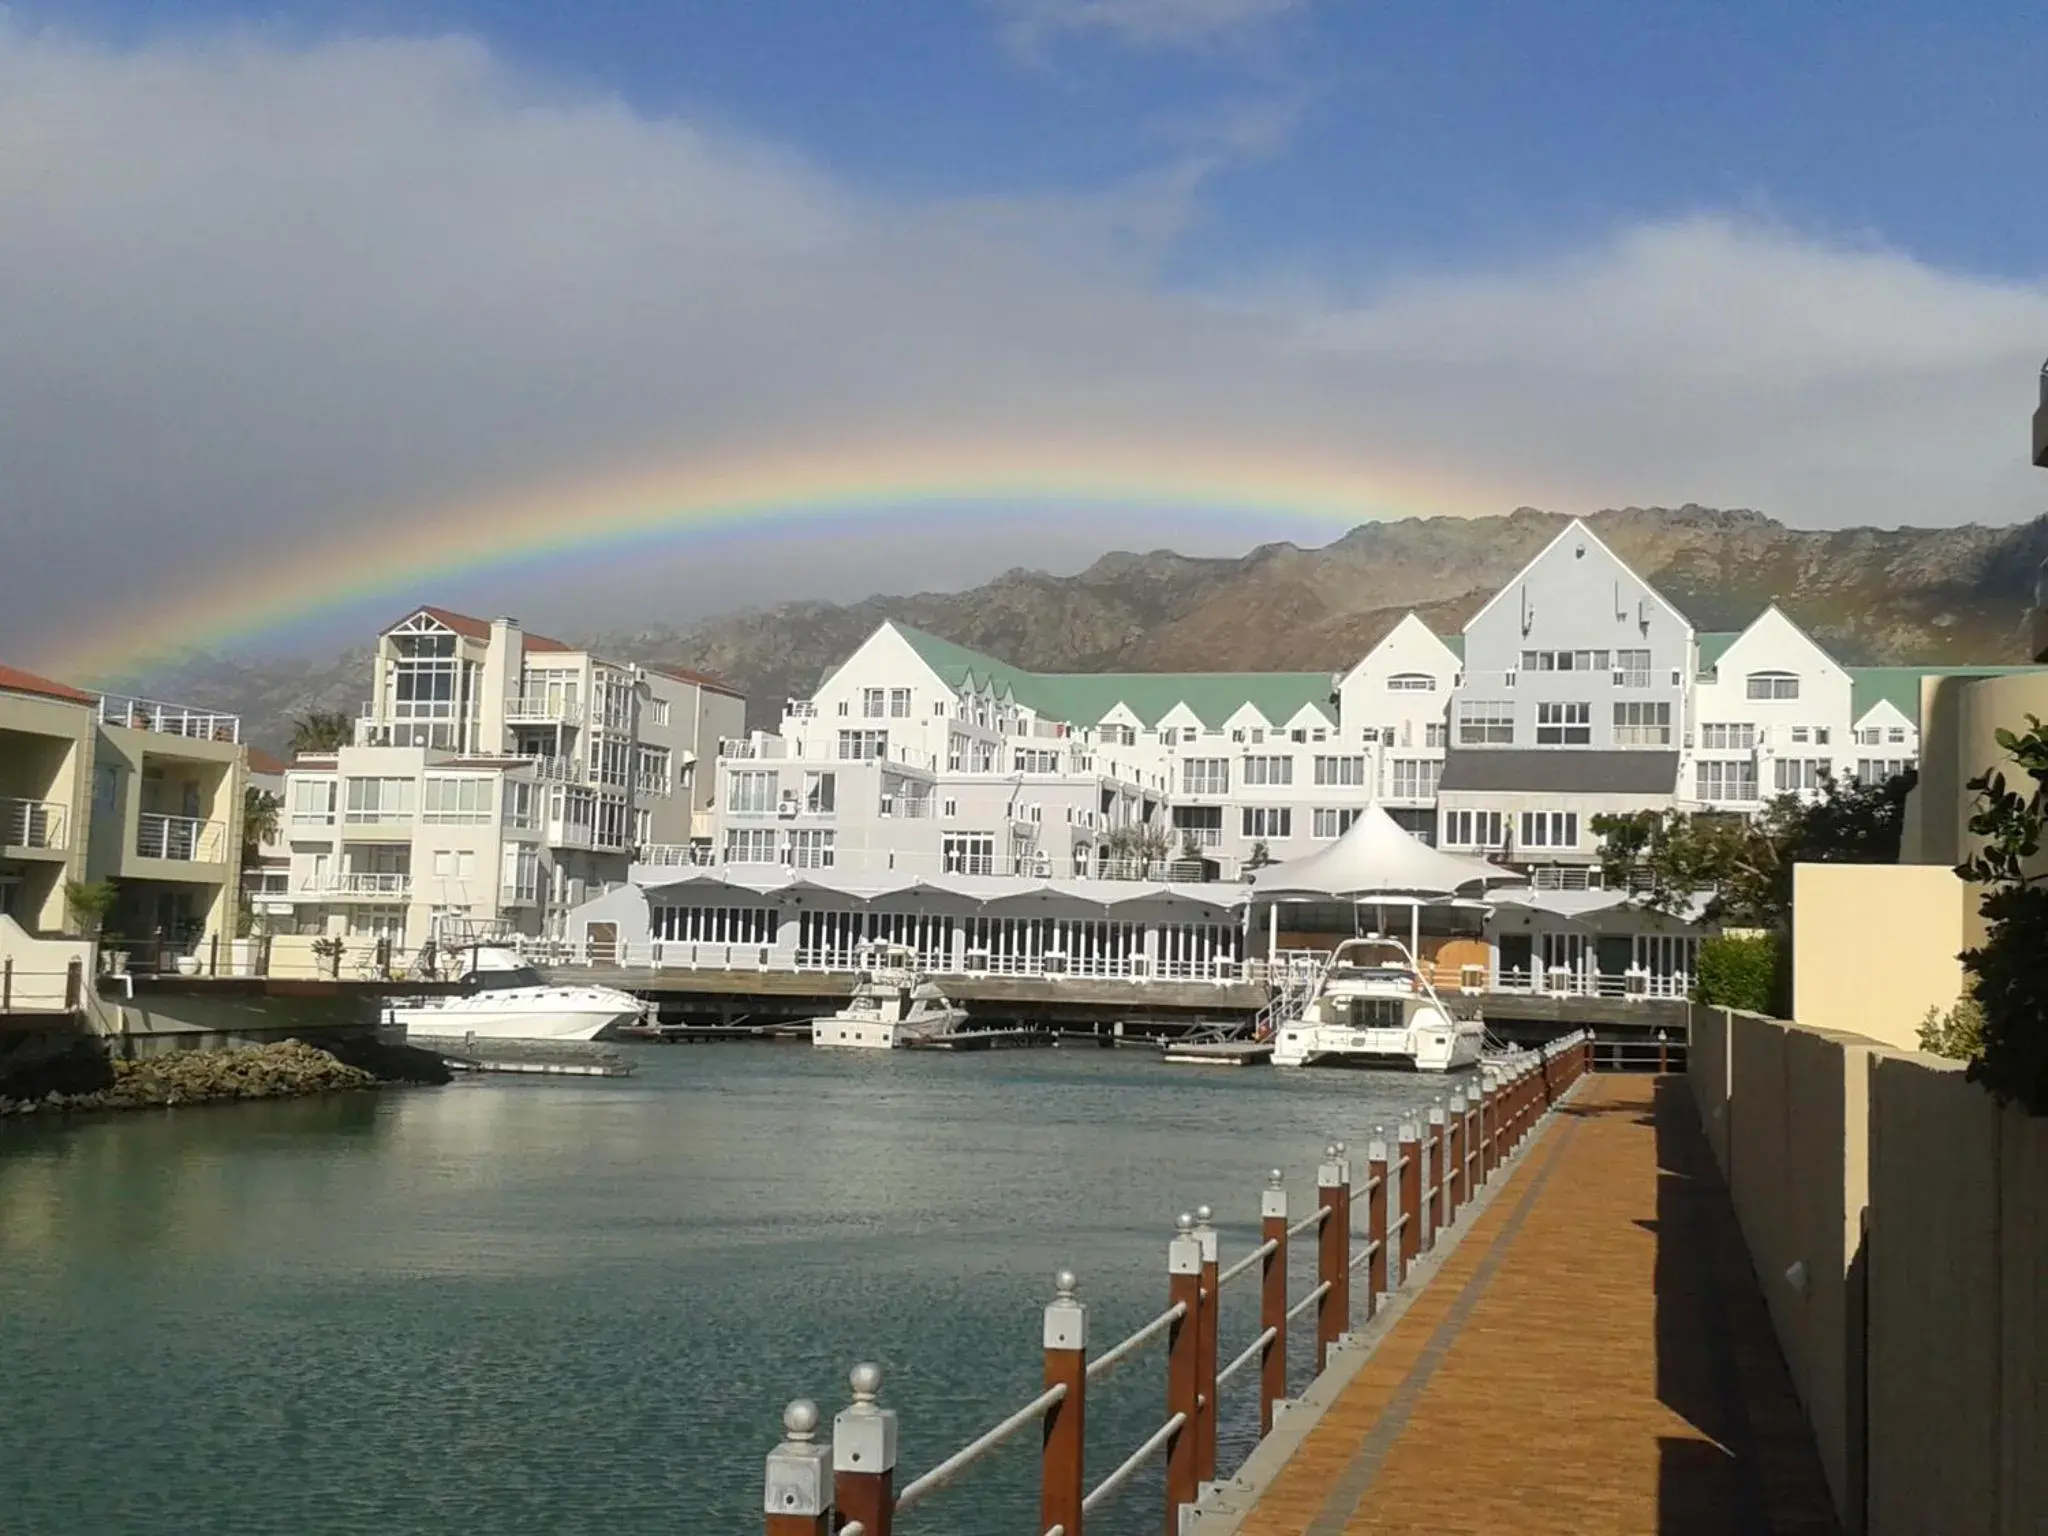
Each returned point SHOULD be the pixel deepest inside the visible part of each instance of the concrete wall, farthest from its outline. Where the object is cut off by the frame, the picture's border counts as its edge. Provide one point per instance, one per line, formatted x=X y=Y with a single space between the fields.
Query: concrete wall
x=1915 y=1326
x=40 y=978
x=1874 y=946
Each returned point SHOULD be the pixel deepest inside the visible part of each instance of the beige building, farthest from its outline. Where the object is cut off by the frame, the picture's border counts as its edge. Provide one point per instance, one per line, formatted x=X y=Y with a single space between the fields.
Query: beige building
x=145 y=794
x=496 y=779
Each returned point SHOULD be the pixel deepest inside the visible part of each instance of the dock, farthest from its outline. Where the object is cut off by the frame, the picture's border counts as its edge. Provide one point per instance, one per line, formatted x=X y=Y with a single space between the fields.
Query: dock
x=1219 y=1053
x=1021 y=1039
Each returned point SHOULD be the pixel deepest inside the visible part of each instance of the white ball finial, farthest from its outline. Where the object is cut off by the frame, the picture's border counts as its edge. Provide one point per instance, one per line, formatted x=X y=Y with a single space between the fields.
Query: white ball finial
x=1065 y=1283
x=1337 y=1149
x=800 y=1419
x=1203 y=1215
x=867 y=1381
x=1275 y=1178
x=1184 y=1222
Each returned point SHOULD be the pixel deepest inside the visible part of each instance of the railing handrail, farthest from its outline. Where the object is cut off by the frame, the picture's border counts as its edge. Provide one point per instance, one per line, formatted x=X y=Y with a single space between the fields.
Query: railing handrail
x=1110 y=1358
x=988 y=1440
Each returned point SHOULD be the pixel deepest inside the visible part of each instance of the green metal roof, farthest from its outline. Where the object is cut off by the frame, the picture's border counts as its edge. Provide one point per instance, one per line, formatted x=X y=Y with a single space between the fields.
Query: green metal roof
x=1084 y=698
x=1455 y=643
x=1714 y=645
x=1900 y=686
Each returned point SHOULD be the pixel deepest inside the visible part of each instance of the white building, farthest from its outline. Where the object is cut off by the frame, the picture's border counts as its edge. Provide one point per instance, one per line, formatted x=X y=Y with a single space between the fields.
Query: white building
x=496 y=778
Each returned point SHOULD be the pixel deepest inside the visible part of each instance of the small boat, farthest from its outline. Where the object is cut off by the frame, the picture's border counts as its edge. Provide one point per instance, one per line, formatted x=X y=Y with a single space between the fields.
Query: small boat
x=507 y=999
x=894 y=1004
x=1373 y=1007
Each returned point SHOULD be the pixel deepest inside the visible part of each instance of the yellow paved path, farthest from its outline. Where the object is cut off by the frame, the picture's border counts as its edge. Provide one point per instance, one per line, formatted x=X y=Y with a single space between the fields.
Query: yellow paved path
x=1594 y=1357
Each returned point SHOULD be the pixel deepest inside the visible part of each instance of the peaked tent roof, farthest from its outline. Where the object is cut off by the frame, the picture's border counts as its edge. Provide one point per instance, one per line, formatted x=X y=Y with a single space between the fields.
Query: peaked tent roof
x=1376 y=857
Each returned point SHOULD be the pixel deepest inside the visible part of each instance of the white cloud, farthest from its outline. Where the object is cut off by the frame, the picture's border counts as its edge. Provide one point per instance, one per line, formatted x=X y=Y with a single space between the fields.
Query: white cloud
x=1031 y=24
x=255 y=295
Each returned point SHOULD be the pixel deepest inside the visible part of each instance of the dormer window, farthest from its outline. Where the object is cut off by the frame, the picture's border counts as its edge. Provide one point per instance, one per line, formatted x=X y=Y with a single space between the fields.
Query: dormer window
x=1411 y=682
x=1772 y=685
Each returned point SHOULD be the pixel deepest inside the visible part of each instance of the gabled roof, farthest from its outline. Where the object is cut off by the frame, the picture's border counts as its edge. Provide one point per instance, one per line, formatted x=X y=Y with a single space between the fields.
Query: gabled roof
x=1084 y=698
x=700 y=679
x=472 y=628
x=1900 y=686
x=1714 y=645
x=262 y=762
x=1577 y=526
x=14 y=680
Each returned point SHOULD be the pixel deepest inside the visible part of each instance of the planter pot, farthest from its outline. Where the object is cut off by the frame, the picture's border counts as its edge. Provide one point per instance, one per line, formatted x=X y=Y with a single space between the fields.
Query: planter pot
x=188 y=965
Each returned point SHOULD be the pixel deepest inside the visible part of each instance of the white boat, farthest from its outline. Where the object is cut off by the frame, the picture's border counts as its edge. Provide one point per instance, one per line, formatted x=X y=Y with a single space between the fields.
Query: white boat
x=507 y=999
x=893 y=1004
x=1372 y=1007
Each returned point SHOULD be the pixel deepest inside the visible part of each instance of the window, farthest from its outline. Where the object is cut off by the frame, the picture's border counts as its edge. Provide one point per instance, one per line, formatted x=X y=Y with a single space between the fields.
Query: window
x=1205 y=776
x=842 y=706
x=106 y=784
x=949 y=808
x=1485 y=723
x=750 y=845
x=1726 y=780
x=1895 y=735
x=1436 y=734
x=969 y=853
x=650 y=770
x=454 y=863
x=1772 y=685
x=1795 y=774
x=1268 y=770
x=1564 y=661
x=657 y=711
x=1550 y=829
x=1564 y=724
x=821 y=793
x=1268 y=821
x=1640 y=724
x=872 y=703
x=1334 y=821
x=643 y=828
x=1799 y=734
x=463 y=800
x=1415 y=777
x=899 y=704
x=1033 y=760
x=1738 y=736
x=378 y=800
x=1411 y=682
x=1347 y=772
x=611 y=760
x=519 y=872
x=1474 y=829
x=1881 y=770
x=312 y=801
x=613 y=824
x=1632 y=669
x=860 y=746
x=1821 y=734
x=811 y=847
x=522 y=805
x=751 y=794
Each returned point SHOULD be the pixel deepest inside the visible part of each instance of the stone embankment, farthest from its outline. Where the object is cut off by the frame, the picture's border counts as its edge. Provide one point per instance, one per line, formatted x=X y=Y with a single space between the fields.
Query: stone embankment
x=287 y=1069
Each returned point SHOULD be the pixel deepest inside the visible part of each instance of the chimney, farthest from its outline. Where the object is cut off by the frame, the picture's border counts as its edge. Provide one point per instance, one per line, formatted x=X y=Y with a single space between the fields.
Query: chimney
x=504 y=669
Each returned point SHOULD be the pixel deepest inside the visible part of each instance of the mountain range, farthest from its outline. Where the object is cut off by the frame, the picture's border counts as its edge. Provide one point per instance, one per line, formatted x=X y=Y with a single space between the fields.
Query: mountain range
x=1872 y=596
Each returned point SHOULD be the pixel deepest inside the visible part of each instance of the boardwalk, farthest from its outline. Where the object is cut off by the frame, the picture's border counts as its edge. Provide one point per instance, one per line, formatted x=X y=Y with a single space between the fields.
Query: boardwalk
x=1594 y=1357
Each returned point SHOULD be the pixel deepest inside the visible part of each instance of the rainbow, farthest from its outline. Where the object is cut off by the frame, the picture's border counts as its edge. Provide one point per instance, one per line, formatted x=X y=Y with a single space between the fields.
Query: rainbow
x=652 y=507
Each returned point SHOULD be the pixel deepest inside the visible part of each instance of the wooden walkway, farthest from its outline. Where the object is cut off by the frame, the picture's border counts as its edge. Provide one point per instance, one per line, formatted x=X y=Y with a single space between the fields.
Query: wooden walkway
x=1593 y=1357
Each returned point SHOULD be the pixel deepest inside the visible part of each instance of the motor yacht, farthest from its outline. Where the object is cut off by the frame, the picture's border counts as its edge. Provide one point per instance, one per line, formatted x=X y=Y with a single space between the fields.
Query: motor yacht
x=1373 y=1007
x=894 y=1004
x=504 y=998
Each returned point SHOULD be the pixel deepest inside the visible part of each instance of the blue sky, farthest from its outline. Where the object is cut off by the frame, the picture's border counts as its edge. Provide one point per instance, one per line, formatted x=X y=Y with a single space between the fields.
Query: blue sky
x=310 y=273
x=1408 y=136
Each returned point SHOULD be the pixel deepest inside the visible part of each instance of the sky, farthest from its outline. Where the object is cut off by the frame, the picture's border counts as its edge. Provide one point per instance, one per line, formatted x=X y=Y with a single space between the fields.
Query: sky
x=277 y=281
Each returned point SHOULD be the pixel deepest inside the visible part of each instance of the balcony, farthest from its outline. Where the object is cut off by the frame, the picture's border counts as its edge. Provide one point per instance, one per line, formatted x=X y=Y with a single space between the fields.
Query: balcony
x=169 y=719
x=180 y=839
x=43 y=825
x=380 y=885
x=555 y=770
x=519 y=895
x=539 y=709
x=679 y=856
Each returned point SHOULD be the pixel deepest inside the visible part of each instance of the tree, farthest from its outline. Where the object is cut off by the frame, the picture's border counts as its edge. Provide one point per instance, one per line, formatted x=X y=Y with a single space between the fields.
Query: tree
x=1742 y=865
x=2009 y=970
x=259 y=822
x=322 y=730
x=1259 y=857
x=90 y=902
x=1138 y=846
x=1957 y=1034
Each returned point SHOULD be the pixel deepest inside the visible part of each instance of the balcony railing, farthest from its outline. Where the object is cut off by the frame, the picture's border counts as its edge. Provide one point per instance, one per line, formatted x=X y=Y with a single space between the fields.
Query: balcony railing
x=169 y=719
x=538 y=709
x=518 y=895
x=34 y=824
x=376 y=882
x=556 y=770
x=183 y=839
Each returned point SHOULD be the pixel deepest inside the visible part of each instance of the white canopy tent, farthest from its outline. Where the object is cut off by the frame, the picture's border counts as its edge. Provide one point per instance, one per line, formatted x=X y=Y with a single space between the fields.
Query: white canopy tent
x=1379 y=862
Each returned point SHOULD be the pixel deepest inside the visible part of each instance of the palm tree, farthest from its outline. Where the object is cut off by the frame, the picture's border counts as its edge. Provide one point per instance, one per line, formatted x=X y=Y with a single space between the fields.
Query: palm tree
x=259 y=822
x=322 y=730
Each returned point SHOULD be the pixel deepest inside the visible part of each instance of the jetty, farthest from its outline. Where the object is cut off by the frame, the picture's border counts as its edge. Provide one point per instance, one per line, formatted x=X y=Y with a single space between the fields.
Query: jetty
x=1571 y=1301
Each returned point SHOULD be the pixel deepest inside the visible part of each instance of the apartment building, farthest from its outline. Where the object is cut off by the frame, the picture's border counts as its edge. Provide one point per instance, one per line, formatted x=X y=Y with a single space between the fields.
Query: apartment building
x=496 y=778
x=1579 y=690
x=102 y=787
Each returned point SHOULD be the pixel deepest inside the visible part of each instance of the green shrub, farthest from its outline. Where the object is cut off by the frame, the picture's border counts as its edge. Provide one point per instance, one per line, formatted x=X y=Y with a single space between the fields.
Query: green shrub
x=1957 y=1034
x=1744 y=970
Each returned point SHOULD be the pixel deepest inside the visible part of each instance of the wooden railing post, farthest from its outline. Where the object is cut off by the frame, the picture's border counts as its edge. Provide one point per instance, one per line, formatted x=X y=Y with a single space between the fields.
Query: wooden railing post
x=74 y=986
x=1440 y=1161
x=1205 y=1346
x=7 y=985
x=1376 y=1219
x=1333 y=1260
x=1472 y=1169
x=1410 y=1205
x=1184 y=1289
x=864 y=1456
x=213 y=953
x=798 y=1499
x=1273 y=1299
x=1062 y=1480
x=1455 y=1156
x=1589 y=1053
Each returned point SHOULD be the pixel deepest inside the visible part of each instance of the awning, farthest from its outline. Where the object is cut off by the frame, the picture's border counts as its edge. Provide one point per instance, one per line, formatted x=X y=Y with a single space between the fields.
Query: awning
x=1376 y=857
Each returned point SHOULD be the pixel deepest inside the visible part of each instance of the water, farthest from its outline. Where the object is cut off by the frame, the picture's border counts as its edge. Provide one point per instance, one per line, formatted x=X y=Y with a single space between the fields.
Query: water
x=559 y=1307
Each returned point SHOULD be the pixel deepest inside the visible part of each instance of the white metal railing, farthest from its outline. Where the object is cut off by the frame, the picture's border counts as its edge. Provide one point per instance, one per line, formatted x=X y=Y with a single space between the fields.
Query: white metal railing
x=678 y=856
x=530 y=709
x=170 y=719
x=558 y=770
x=362 y=883
x=186 y=839
x=34 y=824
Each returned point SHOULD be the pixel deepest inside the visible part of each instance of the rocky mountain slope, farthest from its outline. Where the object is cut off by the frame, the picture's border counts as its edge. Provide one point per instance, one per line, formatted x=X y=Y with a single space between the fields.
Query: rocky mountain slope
x=1873 y=596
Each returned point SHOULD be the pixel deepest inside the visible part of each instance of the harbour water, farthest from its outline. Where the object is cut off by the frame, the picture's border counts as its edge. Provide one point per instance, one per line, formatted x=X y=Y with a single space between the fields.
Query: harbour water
x=550 y=1307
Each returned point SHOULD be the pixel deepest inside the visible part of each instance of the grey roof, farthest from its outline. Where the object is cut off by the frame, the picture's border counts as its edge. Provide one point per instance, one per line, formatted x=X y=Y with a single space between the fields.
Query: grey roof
x=1561 y=770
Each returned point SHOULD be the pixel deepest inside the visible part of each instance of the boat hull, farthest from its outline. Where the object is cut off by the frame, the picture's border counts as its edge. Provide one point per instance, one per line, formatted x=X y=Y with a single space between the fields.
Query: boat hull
x=568 y=1017
x=1415 y=1051
x=846 y=1033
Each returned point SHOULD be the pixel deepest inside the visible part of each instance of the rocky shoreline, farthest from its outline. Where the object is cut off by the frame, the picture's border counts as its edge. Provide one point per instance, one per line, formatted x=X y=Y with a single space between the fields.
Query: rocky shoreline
x=286 y=1069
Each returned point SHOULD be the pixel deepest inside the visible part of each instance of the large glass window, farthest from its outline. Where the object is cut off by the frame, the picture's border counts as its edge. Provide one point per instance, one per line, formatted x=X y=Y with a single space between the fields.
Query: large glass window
x=1205 y=776
x=370 y=800
x=1772 y=685
x=1268 y=770
x=1485 y=722
x=457 y=800
x=1638 y=723
x=1342 y=772
x=751 y=794
x=1564 y=723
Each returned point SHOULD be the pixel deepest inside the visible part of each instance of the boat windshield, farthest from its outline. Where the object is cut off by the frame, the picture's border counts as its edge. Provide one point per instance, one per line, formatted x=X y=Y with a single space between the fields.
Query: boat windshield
x=499 y=981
